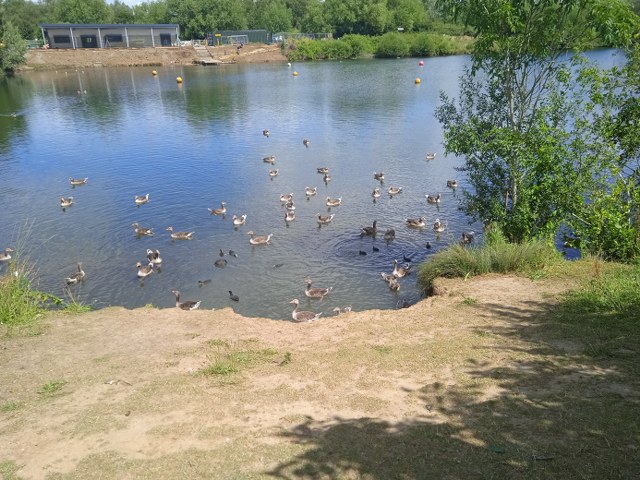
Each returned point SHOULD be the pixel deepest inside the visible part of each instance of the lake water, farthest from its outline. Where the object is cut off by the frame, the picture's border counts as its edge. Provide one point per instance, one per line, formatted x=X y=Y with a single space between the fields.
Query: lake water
x=194 y=145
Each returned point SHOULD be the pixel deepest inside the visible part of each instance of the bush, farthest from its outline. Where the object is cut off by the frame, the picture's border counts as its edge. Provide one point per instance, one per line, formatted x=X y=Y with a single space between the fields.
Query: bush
x=360 y=45
x=304 y=49
x=337 y=50
x=392 y=45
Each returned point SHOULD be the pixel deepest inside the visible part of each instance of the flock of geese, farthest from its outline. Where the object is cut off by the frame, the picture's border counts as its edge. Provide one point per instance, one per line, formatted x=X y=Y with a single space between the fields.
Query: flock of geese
x=154 y=258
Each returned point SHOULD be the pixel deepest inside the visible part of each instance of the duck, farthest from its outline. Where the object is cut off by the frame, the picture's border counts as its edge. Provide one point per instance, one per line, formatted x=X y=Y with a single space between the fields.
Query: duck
x=433 y=198
x=180 y=235
x=338 y=310
x=326 y=178
x=154 y=256
x=144 y=270
x=378 y=176
x=259 y=240
x=438 y=226
x=289 y=216
x=270 y=159
x=5 y=255
x=290 y=205
x=387 y=277
x=372 y=230
x=140 y=199
x=78 y=181
x=334 y=202
x=187 y=304
x=452 y=183
x=430 y=156
x=302 y=316
x=142 y=230
x=415 y=222
x=239 y=220
x=394 y=190
x=233 y=297
x=467 y=238
x=323 y=170
x=376 y=193
x=315 y=292
x=273 y=173
x=218 y=211
x=75 y=277
x=390 y=234
x=402 y=271
x=286 y=198
x=324 y=219
x=266 y=133
x=233 y=253
x=310 y=191
x=220 y=262
x=66 y=202
x=306 y=143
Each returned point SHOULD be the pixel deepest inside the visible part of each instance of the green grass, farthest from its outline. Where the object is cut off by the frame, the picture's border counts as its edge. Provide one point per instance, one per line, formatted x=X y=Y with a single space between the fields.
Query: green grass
x=20 y=304
x=11 y=406
x=52 y=388
x=228 y=358
x=8 y=471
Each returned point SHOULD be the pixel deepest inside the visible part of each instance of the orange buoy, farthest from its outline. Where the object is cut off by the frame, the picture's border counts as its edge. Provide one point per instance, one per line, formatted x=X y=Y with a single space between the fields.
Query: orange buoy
x=417 y=81
x=179 y=79
x=154 y=73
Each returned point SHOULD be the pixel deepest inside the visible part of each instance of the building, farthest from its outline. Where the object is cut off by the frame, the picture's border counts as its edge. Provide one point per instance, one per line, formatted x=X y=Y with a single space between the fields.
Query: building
x=110 y=36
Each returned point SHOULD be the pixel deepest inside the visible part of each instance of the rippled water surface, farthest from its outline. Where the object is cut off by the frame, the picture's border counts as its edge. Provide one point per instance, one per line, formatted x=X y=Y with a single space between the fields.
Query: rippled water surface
x=194 y=145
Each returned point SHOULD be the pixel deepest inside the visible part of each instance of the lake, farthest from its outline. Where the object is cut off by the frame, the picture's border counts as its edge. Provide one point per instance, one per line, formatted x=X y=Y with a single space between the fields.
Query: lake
x=193 y=145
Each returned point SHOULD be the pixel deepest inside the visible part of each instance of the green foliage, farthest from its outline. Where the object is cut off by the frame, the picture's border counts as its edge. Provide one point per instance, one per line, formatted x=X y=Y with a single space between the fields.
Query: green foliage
x=81 y=11
x=430 y=45
x=392 y=45
x=272 y=15
x=20 y=304
x=51 y=388
x=359 y=44
x=12 y=48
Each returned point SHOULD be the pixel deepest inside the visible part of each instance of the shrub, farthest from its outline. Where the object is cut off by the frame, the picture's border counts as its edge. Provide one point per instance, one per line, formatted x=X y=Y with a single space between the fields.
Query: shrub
x=392 y=45
x=337 y=50
x=360 y=45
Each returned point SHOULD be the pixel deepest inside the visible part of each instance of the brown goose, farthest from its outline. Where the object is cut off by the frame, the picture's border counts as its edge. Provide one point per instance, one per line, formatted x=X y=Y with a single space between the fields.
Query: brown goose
x=78 y=181
x=324 y=219
x=154 y=256
x=316 y=292
x=415 y=222
x=310 y=191
x=187 y=304
x=306 y=143
x=140 y=199
x=402 y=271
x=219 y=211
x=142 y=230
x=430 y=156
x=144 y=270
x=302 y=316
x=5 y=255
x=452 y=183
x=394 y=191
x=66 y=202
x=180 y=235
x=379 y=176
x=334 y=202
x=372 y=230
x=239 y=220
x=433 y=198
x=259 y=240
x=270 y=159
x=75 y=277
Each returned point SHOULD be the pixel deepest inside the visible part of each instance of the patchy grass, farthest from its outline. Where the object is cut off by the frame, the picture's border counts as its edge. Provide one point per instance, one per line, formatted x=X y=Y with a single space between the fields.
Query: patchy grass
x=52 y=388
x=229 y=358
x=8 y=471
x=11 y=406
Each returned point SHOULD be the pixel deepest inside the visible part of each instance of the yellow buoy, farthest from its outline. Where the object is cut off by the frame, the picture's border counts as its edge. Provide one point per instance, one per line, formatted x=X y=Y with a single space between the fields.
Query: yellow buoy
x=153 y=72
x=295 y=74
x=417 y=81
x=179 y=79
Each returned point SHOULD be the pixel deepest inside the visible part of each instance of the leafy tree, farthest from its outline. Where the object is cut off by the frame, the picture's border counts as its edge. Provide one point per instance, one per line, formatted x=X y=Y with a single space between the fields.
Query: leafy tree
x=152 y=12
x=122 y=13
x=81 y=11
x=272 y=15
x=12 y=48
x=314 y=19
x=24 y=15
x=367 y=17
x=408 y=14
x=519 y=123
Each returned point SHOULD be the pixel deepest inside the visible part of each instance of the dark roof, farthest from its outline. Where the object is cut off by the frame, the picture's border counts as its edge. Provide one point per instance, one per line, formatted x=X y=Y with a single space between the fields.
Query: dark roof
x=109 y=25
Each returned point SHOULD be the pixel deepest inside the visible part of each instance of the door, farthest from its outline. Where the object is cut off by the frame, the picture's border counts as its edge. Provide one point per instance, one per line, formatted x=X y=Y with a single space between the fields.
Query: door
x=89 y=41
x=165 y=39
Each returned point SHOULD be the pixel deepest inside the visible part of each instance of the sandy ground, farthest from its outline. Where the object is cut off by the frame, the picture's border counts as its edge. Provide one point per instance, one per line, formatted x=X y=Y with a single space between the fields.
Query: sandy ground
x=122 y=393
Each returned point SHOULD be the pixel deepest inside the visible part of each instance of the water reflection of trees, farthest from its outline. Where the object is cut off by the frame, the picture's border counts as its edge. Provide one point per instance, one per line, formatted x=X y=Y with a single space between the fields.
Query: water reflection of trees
x=14 y=97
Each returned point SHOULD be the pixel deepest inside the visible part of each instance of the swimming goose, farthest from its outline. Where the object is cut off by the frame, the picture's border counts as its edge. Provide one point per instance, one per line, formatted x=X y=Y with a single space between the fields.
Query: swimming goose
x=5 y=255
x=144 y=270
x=402 y=271
x=415 y=222
x=220 y=263
x=310 y=191
x=302 y=316
x=376 y=193
x=180 y=235
x=142 y=230
x=438 y=226
x=430 y=156
x=467 y=238
x=452 y=183
x=387 y=277
x=394 y=285
x=75 y=277
x=289 y=216
x=324 y=219
x=326 y=178
x=140 y=199
x=390 y=234
x=270 y=159
x=378 y=176
x=285 y=198
x=289 y=205
x=78 y=181
x=394 y=190
x=338 y=310
x=273 y=173
x=315 y=292
x=372 y=230
x=66 y=202
x=233 y=297
x=266 y=133
x=323 y=170
x=154 y=256
x=334 y=202
x=187 y=304
x=218 y=211
x=433 y=198
x=259 y=240
x=239 y=220
x=305 y=142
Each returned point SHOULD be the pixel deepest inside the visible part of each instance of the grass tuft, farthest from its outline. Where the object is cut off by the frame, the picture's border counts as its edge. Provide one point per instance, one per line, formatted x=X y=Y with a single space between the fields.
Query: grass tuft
x=231 y=358
x=52 y=388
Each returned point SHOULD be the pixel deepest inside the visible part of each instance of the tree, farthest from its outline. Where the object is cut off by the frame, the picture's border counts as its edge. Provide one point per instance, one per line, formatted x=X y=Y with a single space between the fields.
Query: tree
x=81 y=11
x=12 y=48
x=272 y=15
x=520 y=122
x=121 y=12
x=24 y=15
x=408 y=14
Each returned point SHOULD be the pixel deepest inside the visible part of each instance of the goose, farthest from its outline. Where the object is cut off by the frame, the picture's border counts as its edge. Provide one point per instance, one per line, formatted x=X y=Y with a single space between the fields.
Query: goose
x=289 y=205
x=390 y=234
x=140 y=199
x=154 y=256
x=187 y=304
x=310 y=191
x=438 y=226
x=378 y=176
x=305 y=142
x=302 y=316
x=180 y=235
x=220 y=263
x=233 y=297
x=362 y=252
x=142 y=230
x=375 y=249
x=78 y=181
x=270 y=159
x=334 y=202
x=428 y=245
x=273 y=173
x=315 y=292
x=376 y=193
x=372 y=230
x=221 y=253
x=285 y=198
x=324 y=219
x=415 y=222
x=338 y=310
x=218 y=211
x=5 y=255
x=433 y=198
x=233 y=254
x=452 y=183
x=259 y=240
x=326 y=178
x=75 y=277
x=467 y=238
x=402 y=271
x=66 y=202
x=239 y=220
x=394 y=285
x=266 y=133
x=430 y=156
x=144 y=270
x=394 y=191
x=387 y=277
x=323 y=170
x=289 y=216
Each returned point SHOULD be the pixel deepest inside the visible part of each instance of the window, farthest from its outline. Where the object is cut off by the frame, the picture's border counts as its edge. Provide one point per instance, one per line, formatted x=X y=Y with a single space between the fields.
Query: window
x=113 y=38
x=61 y=39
